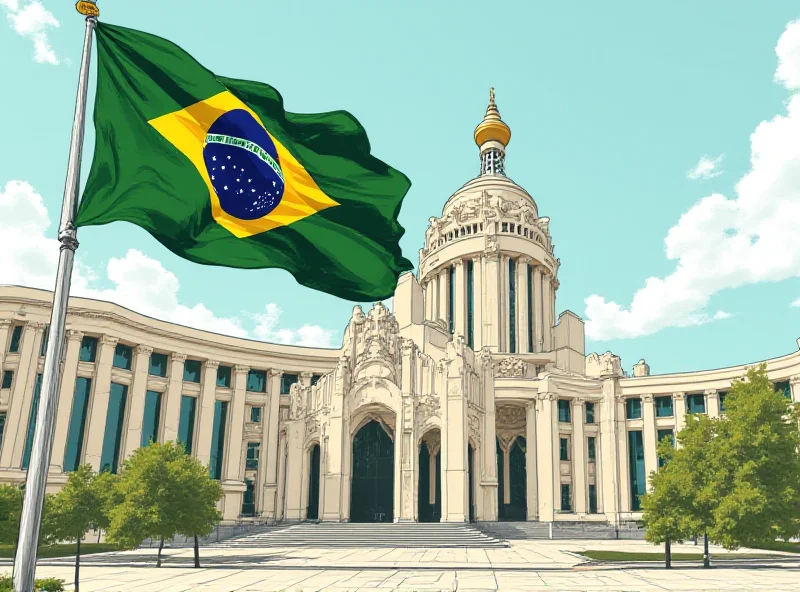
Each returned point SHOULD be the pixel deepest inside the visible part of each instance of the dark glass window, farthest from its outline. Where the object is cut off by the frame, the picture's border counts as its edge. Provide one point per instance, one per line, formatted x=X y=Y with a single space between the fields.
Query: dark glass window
x=152 y=417
x=451 y=300
x=218 y=439
x=253 y=450
x=633 y=408
x=665 y=434
x=664 y=406
x=37 y=390
x=529 y=277
x=592 y=449
x=255 y=414
x=158 y=364
x=123 y=356
x=566 y=498
x=637 y=474
x=249 y=498
x=470 y=304
x=593 y=499
x=589 y=412
x=45 y=337
x=192 y=370
x=8 y=379
x=257 y=381
x=16 y=337
x=315 y=379
x=722 y=396
x=224 y=377
x=696 y=403
x=287 y=380
x=2 y=426
x=186 y=425
x=112 y=438
x=564 y=448
x=88 y=349
x=77 y=424
x=784 y=387
x=564 y=411
x=512 y=306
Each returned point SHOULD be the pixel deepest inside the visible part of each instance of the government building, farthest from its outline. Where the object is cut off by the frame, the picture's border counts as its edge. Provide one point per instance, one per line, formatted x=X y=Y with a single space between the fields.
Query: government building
x=473 y=400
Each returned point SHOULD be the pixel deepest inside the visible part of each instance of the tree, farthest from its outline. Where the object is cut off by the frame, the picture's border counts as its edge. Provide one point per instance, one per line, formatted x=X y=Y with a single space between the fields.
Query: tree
x=10 y=512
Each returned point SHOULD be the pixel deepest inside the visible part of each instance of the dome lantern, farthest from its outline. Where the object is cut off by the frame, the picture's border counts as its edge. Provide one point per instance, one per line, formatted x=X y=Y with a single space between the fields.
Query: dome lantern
x=492 y=136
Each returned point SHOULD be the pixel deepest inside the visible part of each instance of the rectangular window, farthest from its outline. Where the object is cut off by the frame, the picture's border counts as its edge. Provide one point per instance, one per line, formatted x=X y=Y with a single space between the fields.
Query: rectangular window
x=785 y=388
x=722 y=396
x=186 y=425
x=633 y=408
x=249 y=498
x=696 y=403
x=287 y=380
x=593 y=499
x=563 y=411
x=218 y=439
x=470 y=304
x=637 y=474
x=566 y=498
x=315 y=379
x=16 y=337
x=45 y=337
x=664 y=406
x=564 y=448
x=224 y=377
x=255 y=414
x=151 y=418
x=665 y=434
x=512 y=306
x=8 y=379
x=115 y=418
x=2 y=426
x=257 y=381
x=589 y=412
x=451 y=300
x=253 y=450
x=77 y=424
x=37 y=390
x=592 y=449
x=88 y=349
x=123 y=356
x=192 y=370
x=158 y=364
x=529 y=278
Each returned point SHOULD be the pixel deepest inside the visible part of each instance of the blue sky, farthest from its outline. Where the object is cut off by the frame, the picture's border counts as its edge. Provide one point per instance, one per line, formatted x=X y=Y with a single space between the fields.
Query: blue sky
x=610 y=108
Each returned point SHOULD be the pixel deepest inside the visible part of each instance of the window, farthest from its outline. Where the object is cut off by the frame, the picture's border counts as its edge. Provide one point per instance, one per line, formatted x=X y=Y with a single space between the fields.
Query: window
x=77 y=424
x=785 y=387
x=287 y=380
x=696 y=403
x=191 y=370
x=563 y=411
x=249 y=498
x=566 y=498
x=637 y=474
x=665 y=434
x=257 y=381
x=470 y=304
x=633 y=408
x=45 y=337
x=451 y=299
x=218 y=439
x=115 y=419
x=123 y=356
x=564 y=449
x=593 y=499
x=16 y=337
x=37 y=389
x=224 y=377
x=512 y=305
x=315 y=379
x=2 y=426
x=151 y=418
x=158 y=364
x=664 y=406
x=8 y=379
x=592 y=449
x=722 y=396
x=88 y=349
x=186 y=425
x=589 y=412
x=255 y=414
x=529 y=278
x=253 y=450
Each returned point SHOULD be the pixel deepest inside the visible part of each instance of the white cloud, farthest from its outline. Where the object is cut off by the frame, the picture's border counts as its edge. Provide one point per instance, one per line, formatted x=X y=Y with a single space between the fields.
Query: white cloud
x=721 y=315
x=32 y=21
x=706 y=168
x=796 y=303
x=722 y=243
x=139 y=283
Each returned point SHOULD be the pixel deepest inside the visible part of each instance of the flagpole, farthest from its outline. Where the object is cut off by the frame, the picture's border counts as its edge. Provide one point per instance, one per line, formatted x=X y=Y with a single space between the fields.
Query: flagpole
x=36 y=483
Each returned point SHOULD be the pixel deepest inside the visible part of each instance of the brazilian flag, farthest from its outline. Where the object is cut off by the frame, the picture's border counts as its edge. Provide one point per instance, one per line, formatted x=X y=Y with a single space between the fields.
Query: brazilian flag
x=220 y=174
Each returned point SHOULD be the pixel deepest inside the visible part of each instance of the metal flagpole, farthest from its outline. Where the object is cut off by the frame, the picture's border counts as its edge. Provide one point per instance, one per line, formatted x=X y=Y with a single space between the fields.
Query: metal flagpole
x=25 y=560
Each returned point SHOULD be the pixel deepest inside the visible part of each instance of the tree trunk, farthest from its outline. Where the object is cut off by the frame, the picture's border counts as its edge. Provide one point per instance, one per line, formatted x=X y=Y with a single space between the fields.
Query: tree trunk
x=160 y=547
x=706 y=556
x=196 y=552
x=78 y=565
x=667 y=554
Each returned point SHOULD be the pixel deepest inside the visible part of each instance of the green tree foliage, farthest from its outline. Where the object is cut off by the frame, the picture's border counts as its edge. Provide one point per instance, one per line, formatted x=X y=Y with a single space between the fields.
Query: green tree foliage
x=10 y=510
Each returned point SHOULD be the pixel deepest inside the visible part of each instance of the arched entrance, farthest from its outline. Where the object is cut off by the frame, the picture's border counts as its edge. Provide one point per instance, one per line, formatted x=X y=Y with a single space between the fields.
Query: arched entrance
x=429 y=502
x=512 y=505
x=312 y=510
x=372 y=489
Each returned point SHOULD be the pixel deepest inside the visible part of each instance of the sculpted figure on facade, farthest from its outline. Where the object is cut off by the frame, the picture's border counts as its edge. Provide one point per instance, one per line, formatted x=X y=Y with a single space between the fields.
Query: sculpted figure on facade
x=511 y=367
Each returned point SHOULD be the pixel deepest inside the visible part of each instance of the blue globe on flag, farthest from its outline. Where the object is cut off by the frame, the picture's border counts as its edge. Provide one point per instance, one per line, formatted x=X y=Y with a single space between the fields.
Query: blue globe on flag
x=242 y=163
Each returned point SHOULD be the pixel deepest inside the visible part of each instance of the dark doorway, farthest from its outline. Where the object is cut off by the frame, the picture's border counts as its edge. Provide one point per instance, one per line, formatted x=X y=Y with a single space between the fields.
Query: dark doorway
x=470 y=482
x=427 y=511
x=312 y=510
x=249 y=498
x=372 y=486
x=517 y=507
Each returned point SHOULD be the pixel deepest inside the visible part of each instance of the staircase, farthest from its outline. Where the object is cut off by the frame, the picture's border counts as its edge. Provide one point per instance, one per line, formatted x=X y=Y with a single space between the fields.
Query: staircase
x=541 y=530
x=349 y=535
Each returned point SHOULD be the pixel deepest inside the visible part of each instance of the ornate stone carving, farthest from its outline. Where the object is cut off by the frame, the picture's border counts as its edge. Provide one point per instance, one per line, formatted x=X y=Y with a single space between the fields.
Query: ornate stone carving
x=604 y=365
x=110 y=340
x=578 y=401
x=241 y=369
x=72 y=335
x=212 y=364
x=144 y=350
x=511 y=367
x=297 y=408
x=710 y=392
x=546 y=396
x=475 y=427
x=794 y=380
x=5 y=323
x=427 y=407
x=273 y=373
x=678 y=396
x=648 y=398
x=510 y=415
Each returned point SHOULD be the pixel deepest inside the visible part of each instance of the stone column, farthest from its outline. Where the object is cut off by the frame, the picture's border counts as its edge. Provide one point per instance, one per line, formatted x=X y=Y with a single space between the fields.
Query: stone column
x=507 y=475
x=172 y=412
x=406 y=457
x=205 y=421
x=547 y=302
x=280 y=492
x=608 y=462
x=270 y=444
x=522 y=304
x=98 y=404
x=460 y=301
x=579 y=468
x=649 y=437
x=236 y=424
x=141 y=369
x=477 y=303
x=429 y=300
x=547 y=470
x=454 y=444
x=443 y=293
x=794 y=385
x=66 y=394
x=503 y=308
x=622 y=448
x=712 y=402
x=679 y=410
x=530 y=461
x=491 y=306
x=5 y=329
x=488 y=477
x=538 y=309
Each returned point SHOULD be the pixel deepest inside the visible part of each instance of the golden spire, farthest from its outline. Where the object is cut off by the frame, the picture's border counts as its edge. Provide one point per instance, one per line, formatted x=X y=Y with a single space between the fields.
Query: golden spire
x=492 y=128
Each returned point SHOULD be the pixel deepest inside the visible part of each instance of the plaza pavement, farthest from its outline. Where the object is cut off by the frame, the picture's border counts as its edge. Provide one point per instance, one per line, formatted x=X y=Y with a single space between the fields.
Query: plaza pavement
x=524 y=565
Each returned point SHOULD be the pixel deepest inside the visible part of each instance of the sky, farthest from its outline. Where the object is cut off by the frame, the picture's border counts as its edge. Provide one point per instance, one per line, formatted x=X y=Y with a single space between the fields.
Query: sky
x=663 y=141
